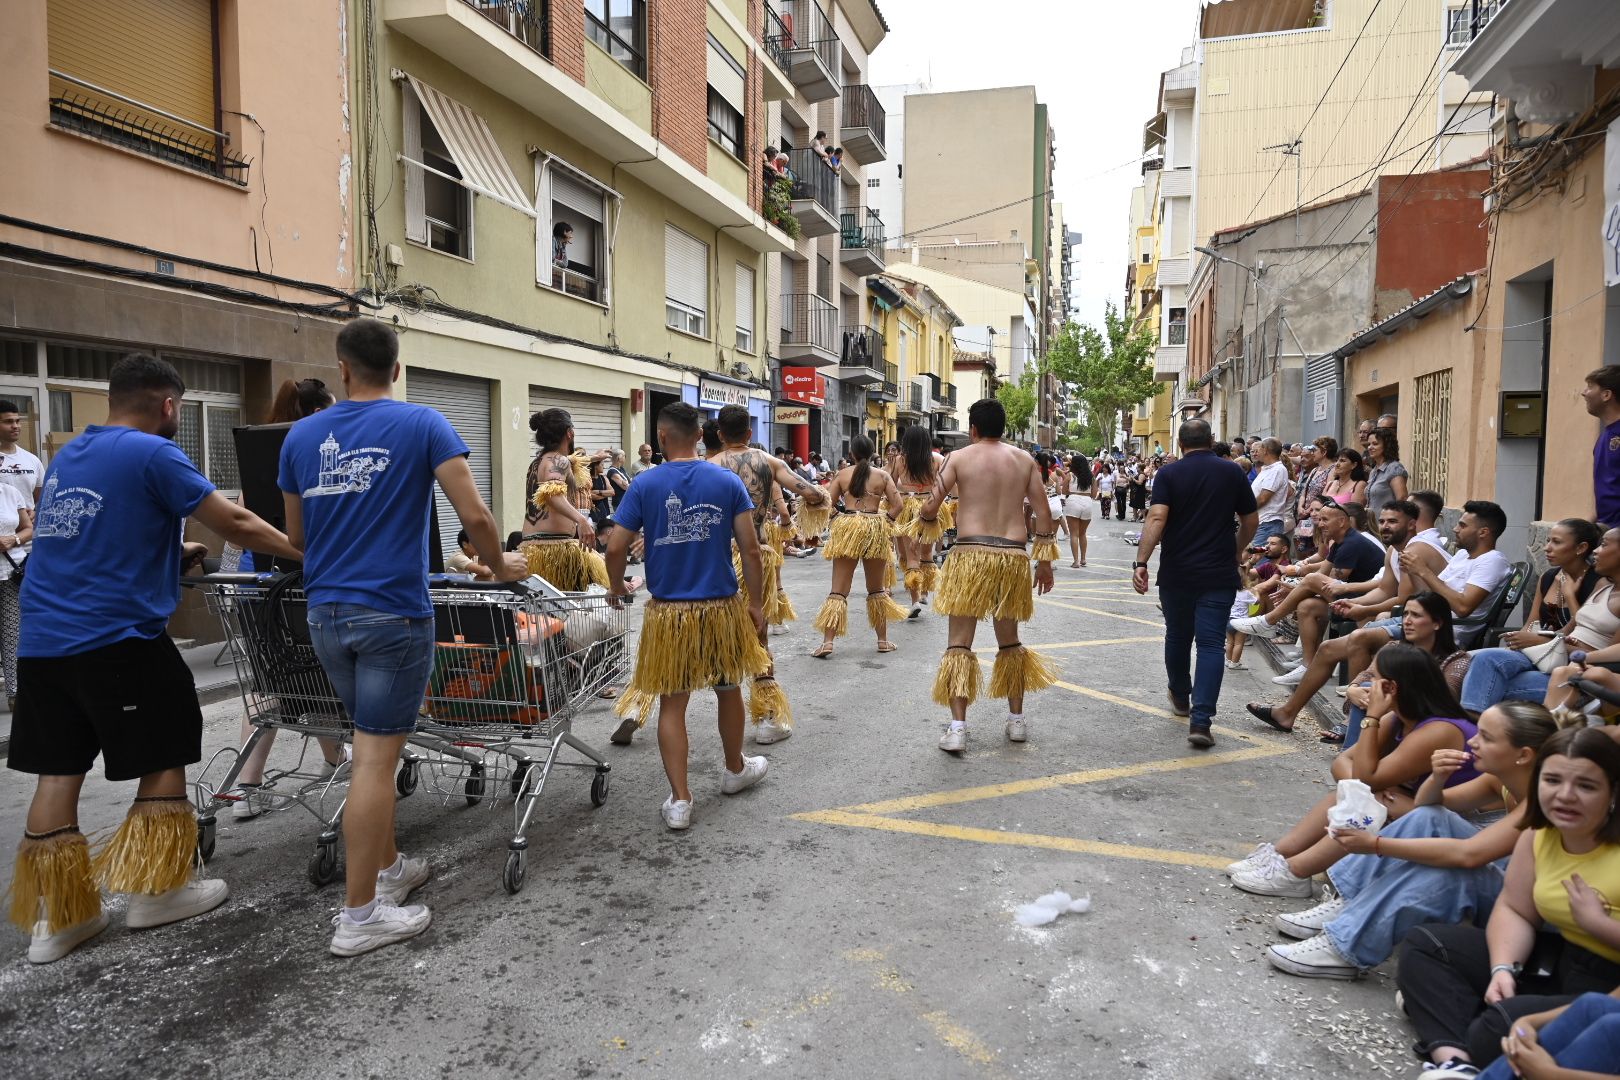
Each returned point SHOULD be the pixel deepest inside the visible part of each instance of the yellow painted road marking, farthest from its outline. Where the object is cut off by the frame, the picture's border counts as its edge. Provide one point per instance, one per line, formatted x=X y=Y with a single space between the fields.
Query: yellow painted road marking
x=1015 y=839
x=1110 y=598
x=1046 y=783
x=1079 y=644
x=1099 y=611
x=950 y=1034
x=1103 y=695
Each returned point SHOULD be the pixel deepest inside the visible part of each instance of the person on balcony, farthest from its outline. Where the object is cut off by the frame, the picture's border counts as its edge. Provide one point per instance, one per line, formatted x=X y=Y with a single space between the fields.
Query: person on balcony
x=562 y=234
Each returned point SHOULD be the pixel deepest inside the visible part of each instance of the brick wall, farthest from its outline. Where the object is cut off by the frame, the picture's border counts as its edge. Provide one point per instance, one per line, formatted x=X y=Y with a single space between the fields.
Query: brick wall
x=678 y=58
x=754 y=123
x=568 y=38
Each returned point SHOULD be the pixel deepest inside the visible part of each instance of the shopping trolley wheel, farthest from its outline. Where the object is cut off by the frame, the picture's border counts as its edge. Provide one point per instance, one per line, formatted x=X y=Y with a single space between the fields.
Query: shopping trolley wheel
x=205 y=838
x=517 y=868
x=520 y=774
x=405 y=781
x=474 y=784
x=599 y=787
x=323 y=865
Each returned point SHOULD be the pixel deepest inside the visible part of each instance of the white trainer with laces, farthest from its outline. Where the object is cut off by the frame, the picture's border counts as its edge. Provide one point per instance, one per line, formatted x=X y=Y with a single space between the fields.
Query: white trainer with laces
x=1017 y=729
x=1311 y=921
x=195 y=897
x=47 y=948
x=769 y=731
x=677 y=813
x=1255 y=626
x=1273 y=878
x=1292 y=677
x=954 y=741
x=388 y=925
x=753 y=771
x=1236 y=665
x=413 y=874
x=1251 y=860
x=250 y=805
x=1313 y=958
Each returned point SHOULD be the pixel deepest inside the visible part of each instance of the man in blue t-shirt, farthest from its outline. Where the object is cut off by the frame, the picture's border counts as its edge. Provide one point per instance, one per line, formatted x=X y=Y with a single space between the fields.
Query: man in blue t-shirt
x=1204 y=513
x=97 y=673
x=1602 y=397
x=699 y=630
x=357 y=480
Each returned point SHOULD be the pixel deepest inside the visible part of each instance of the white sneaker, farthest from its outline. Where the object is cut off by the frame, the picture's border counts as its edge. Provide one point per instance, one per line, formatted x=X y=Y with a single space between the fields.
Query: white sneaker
x=1017 y=729
x=329 y=769
x=1455 y=1069
x=1291 y=652
x=954 y=741
x=1311 y=921
x=413 y=874
x=1235 y=665
x=47 y=948
x=1342 y=691
x=1316 y=958
x=769 y=731
x=916 y=610
x=1273 y=878
x=1254 y=626
x=753 y=771
x=387 y=925
x=193 y=898
x=677 y=813
x=250 y=805
x=1292 y=677
x=1255 y=858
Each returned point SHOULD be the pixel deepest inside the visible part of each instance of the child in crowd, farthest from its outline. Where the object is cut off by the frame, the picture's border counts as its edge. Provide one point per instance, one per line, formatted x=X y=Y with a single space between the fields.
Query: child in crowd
x=1244 y=604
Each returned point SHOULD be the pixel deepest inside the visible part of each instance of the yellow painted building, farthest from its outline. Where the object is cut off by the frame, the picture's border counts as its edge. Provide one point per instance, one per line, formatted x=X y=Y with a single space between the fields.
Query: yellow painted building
x=918 y=327
x=1151 y=423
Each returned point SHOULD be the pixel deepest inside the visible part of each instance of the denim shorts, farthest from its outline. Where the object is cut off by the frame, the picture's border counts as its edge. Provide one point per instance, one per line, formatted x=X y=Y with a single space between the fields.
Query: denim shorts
x=1392 y=627
x=378 y=663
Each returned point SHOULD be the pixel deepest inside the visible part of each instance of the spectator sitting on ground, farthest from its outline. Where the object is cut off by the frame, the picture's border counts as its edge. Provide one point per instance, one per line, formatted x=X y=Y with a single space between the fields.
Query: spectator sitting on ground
x=1347 y=480
x=1440 y=862
x=1550 y=936
x=1386 y=476
x=1245 y=602
x=1441 y=641
x=1271 y=488
x=1353 y=560
x=1602 y=397
x=464 y=560
x=1581 y=1039
x=1411 y=714
x=1509 y=675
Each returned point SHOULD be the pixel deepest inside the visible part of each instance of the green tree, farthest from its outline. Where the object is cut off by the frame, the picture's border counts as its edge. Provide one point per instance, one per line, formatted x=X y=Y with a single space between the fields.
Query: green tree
x=1018 y=399
x=1109 y=370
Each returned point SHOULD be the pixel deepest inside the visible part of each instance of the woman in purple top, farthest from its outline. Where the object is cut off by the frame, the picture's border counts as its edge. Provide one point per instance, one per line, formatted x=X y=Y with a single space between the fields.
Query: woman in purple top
x=1411 y=713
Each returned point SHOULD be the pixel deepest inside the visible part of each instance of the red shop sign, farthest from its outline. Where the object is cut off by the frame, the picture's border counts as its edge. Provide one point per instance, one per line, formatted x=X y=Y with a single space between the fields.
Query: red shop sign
x=804 y=384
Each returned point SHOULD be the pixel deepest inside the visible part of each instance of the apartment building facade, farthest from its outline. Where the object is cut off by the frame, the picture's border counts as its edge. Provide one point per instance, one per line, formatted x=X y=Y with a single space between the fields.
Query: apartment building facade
x=143 y=219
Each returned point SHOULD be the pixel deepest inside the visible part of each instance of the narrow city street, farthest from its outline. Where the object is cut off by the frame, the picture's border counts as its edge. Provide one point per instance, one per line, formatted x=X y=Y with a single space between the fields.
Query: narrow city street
x=852 y=916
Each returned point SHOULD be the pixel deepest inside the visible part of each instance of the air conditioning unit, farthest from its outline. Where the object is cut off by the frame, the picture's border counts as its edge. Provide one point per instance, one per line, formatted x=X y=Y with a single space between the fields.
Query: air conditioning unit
x=741 y=370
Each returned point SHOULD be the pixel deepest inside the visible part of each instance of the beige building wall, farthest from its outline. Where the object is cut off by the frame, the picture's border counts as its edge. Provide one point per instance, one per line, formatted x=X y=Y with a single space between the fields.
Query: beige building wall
x=946 y=177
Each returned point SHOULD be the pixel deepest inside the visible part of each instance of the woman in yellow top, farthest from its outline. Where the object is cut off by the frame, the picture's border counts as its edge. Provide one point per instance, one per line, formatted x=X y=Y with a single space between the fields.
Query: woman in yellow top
x=1552 y=935
x=865 y=535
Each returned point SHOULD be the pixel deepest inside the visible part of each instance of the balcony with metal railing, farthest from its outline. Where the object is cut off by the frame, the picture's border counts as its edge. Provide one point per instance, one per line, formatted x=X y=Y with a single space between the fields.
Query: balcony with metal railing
x=862 y=130
x=887 y=390
x=809 y=330
x=860 y=362
x=805 y=39
x=861 y=240
x=772 y=35
x=814 y=200
x=527 y=20
x=910 y=403
x=1176 y=334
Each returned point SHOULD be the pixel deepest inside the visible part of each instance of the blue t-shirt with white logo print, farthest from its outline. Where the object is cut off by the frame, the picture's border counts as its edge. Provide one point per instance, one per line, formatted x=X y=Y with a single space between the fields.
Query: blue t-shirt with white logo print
x=106 y=554
x=364 y=470
x=687 y=510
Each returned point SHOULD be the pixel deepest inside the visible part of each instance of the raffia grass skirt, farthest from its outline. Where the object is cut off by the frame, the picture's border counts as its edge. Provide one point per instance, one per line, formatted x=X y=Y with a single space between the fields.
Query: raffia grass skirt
x=778 y=609
x=860 y=536
x=566 y=564
x=986 y=581
x=691 y=645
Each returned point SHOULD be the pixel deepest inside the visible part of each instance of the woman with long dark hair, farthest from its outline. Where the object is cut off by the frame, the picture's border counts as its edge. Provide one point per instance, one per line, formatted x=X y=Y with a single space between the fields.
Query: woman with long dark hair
x=916 y=474
x=863 y=534
x=1348 y=481
x=1386 y=476
x=1079 y=493
x=1411 y=713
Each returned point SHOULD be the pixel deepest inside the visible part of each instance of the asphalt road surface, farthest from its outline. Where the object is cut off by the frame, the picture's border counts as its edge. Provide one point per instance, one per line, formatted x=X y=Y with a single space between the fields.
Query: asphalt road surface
x=851 y=916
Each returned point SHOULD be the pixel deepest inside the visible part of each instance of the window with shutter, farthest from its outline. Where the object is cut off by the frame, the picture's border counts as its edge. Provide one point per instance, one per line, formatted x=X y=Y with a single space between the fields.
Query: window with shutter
x=575 y=250
x=686 y=282
x=728 y=99
x=745 y=308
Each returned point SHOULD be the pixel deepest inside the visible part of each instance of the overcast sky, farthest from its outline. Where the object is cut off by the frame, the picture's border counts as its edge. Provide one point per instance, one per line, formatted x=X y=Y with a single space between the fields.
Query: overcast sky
x=1094 y=63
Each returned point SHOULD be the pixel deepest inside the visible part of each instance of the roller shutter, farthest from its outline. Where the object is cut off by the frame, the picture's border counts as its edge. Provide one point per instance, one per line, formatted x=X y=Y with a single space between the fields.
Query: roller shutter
x=598 y=421
x=465 y=403
x=157 y=52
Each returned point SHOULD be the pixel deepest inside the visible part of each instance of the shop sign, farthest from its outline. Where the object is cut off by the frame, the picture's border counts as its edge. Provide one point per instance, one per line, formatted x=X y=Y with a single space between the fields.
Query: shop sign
x=804 y=384
x=716 y=394
x=792 y=414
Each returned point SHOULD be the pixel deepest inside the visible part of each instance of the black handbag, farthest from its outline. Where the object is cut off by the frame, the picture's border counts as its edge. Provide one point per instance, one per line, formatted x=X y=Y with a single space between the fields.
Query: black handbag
x=16 y=567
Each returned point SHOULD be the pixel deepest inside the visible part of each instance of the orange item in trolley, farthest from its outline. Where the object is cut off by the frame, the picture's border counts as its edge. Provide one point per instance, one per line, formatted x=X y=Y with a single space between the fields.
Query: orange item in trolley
x=474 y=684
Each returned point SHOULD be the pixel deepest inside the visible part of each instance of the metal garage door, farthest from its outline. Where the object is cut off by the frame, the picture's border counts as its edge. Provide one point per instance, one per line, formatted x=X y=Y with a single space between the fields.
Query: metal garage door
x=465 y=403
x=598 y=421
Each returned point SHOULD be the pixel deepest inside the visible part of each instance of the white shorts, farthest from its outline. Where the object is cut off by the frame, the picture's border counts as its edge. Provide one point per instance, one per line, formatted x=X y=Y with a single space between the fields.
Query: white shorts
x=1078 y=506
x=1054 y=504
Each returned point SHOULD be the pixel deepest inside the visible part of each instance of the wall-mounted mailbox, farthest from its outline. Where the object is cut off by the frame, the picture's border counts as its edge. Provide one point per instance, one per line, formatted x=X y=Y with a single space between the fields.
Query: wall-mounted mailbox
x=1524 y=415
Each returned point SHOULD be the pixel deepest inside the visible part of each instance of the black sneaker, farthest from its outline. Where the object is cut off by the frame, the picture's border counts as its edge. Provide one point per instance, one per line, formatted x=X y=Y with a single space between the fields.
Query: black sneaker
x=1200 y=737
x=1179 y=706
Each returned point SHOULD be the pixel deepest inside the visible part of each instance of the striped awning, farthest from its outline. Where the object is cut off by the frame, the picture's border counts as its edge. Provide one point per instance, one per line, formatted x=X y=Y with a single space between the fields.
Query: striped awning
x=472 y=146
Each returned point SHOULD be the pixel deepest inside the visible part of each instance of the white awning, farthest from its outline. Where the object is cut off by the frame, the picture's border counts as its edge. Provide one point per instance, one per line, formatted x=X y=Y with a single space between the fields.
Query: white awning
x=483 y=167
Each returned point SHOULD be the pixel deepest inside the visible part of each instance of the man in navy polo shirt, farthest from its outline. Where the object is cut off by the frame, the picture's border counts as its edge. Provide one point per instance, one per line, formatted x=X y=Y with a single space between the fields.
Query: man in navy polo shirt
x=1204 y=512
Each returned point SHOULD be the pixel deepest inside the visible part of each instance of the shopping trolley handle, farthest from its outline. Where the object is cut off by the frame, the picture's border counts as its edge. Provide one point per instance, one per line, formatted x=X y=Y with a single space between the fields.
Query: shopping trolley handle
x=250 y=578
x=528 y=586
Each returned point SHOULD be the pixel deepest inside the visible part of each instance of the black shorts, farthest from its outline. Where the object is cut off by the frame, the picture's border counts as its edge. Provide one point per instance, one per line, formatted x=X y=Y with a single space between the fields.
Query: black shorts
x=134 y=702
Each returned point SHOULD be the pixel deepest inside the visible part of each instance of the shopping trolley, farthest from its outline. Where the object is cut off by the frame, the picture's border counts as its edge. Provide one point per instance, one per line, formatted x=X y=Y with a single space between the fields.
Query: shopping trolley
x=513 y=664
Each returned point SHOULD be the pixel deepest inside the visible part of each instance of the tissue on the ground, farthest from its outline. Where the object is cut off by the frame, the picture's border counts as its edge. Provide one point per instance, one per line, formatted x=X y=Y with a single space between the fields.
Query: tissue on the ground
x=1047 y=908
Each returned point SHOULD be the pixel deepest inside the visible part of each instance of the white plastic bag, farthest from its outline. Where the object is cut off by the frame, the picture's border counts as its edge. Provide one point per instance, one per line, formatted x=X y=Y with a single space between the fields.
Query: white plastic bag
x=1357 y=809
x=1046 y=909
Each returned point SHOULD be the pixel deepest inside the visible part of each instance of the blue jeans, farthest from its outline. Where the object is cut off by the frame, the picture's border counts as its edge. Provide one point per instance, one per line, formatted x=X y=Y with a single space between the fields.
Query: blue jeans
x=378 y=663
x=1389 y=896
x=1586 y=1037
x=1265 y=530
x=1201 y=615
x=1352 y=726
x=1497 y=675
